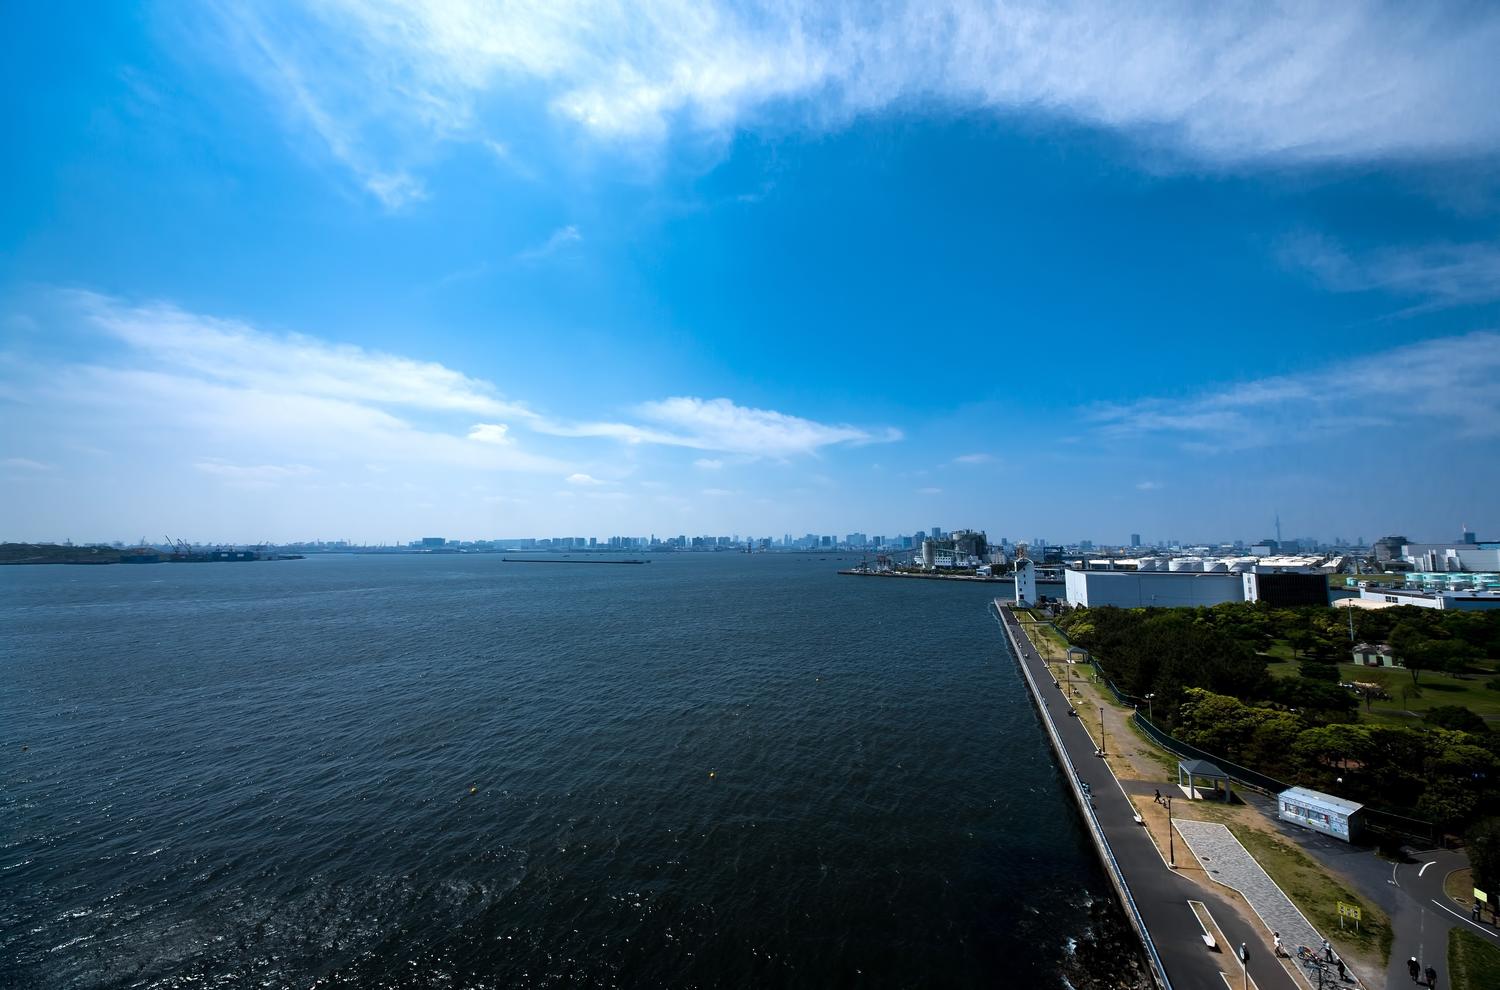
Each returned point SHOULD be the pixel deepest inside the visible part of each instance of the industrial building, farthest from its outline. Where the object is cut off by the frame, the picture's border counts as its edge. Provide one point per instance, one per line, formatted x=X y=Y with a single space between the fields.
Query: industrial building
x=1463 y=601
x=1151 y=589
x=1158 y=582
x=1452 y=557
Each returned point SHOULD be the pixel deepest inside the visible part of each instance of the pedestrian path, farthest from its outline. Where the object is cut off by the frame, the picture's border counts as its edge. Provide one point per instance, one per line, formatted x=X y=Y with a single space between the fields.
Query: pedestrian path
x=1226 y=860
x=1154 y=896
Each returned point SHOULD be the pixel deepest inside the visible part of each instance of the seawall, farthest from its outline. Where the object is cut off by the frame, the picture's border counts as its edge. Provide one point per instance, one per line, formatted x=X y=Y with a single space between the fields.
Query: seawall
x=1085 y=806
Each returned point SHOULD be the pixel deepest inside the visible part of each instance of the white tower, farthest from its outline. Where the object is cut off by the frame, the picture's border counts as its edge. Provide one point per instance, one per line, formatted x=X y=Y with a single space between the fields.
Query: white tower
x=1025 y=581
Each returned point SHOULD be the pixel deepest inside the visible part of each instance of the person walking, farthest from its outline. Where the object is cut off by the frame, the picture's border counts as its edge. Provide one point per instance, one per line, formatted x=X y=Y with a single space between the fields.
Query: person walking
x=1276 y=948
x=1340 y=963
x=1327 y=951
x=1431 y=977
x=1414 y=968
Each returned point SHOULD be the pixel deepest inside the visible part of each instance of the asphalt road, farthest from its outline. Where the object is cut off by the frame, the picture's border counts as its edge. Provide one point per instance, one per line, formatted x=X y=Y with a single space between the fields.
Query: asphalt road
x=1160 y=894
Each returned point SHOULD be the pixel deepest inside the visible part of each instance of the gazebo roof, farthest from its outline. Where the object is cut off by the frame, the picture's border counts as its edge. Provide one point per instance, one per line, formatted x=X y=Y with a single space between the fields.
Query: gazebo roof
x=1201 y=768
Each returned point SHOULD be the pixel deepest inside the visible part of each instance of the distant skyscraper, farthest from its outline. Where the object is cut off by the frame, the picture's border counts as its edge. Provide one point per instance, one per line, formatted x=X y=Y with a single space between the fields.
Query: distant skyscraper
x=1135 y=540
x=937 y=532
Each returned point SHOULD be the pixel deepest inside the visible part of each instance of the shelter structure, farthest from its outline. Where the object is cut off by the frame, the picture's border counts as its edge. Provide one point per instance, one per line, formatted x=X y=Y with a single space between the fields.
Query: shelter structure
x=1321 y=812
x=1201 y=779
x=1077 y=654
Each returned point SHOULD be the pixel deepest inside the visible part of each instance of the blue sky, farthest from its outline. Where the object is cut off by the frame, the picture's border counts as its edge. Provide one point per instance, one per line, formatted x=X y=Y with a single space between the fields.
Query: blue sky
x=377 y=270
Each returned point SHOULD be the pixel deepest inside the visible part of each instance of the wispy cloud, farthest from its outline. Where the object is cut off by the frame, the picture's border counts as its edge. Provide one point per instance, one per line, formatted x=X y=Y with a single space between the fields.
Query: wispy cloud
x=581 y=479
x=708 y=464
x=1147 y=486
x=253 y=475
x=1221 y=83
x=232 y=389
x=236 y=354
x=26 y=464
x=971 y=459
x=1449 y=379
x=929 y=491
x=555 y=242
x=1439 y=276
x=721 y=425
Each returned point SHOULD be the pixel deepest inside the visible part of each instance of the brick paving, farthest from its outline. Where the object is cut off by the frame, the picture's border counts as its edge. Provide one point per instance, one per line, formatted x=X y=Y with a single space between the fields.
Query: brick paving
x=1230 y=863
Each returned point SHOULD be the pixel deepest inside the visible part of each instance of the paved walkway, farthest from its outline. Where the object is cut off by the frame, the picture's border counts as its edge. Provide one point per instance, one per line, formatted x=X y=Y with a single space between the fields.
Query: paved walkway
x=1226 y=860
x=1161 y=896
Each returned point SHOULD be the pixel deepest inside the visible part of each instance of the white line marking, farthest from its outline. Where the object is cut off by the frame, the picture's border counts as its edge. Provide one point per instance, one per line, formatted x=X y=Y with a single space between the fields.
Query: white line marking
x=1424 y=868
x=1394 y=867
x=1488 y=931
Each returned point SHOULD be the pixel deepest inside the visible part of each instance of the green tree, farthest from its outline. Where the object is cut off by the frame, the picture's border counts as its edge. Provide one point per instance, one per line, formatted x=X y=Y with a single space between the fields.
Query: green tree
x=1300 y=640
x=1412 y=647
x=1483 y=843
x=1317 y=670
x=1456 y=717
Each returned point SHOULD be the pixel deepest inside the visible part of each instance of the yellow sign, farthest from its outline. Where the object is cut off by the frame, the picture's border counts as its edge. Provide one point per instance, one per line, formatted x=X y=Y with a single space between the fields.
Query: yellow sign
x=1481 y=896
x=1349 y=911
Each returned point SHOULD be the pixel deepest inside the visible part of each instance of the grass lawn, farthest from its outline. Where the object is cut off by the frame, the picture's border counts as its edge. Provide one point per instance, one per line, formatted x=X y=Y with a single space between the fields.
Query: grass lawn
x=1317 y=893
x=1435 y=689
x=1473 y=963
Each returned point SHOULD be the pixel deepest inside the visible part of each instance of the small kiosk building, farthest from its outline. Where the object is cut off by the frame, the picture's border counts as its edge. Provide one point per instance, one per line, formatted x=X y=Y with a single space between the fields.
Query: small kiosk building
x=1321 y=812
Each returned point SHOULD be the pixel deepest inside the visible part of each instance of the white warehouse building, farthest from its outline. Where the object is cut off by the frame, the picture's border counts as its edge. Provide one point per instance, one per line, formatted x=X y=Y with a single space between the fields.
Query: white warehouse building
x=1199 y=583
x=1148 y=589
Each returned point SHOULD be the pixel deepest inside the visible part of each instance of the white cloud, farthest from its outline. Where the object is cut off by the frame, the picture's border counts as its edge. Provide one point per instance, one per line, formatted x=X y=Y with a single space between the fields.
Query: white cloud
x=720 y=425
x=1147 y=486
x=974 y=459
x=225 y=393
x=253 y=475
x=929 y=491
x=380 y=83
x=1448 y=380
x=555 y=242
x=26 y=464
x=708 y=464
x=1439 y=275
x=495 y=433
x=239 y=355
x=579 y=478
x=717 y=492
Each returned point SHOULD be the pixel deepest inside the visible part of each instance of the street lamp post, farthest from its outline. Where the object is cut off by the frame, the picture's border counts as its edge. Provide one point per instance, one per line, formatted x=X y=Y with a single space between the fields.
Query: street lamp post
x=1245 y=967
x=1101 y=730
x=1150 y=708
x=1171 y=840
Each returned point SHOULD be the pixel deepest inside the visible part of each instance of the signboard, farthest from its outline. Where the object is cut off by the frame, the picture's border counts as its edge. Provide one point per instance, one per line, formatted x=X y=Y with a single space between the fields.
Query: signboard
x=1351 y=911
x=1481 y=896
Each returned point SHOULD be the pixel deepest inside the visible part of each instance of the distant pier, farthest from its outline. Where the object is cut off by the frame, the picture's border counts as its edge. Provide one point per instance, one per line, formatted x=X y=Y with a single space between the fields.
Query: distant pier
x=568 y=560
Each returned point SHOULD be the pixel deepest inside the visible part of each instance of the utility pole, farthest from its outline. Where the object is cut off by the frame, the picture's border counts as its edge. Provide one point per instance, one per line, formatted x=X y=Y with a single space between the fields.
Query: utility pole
x=1244 y=967
x=1101 y=730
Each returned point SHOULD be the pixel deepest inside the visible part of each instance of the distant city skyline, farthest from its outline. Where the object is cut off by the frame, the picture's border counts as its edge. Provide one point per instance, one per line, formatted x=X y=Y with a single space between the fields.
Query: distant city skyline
x=269 y=271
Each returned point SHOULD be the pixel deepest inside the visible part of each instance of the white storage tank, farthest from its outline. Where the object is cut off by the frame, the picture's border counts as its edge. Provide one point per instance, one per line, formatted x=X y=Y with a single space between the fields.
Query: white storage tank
x=1216 y=566
x=1185 y=564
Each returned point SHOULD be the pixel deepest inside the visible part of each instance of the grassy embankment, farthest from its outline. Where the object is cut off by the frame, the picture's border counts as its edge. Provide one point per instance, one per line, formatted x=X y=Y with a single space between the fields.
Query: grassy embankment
x=1473 y=963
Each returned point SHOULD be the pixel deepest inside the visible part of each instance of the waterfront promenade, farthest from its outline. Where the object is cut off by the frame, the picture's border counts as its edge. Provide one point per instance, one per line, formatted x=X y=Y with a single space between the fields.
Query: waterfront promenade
x=1157 y=899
